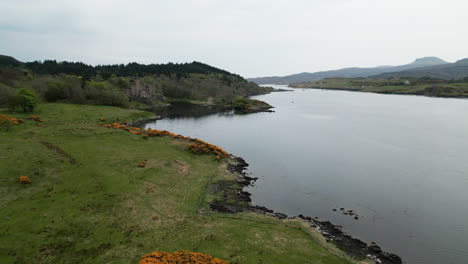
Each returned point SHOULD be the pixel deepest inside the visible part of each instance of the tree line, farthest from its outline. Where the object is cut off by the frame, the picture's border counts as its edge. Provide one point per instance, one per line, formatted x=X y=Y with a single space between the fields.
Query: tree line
x=131 y=69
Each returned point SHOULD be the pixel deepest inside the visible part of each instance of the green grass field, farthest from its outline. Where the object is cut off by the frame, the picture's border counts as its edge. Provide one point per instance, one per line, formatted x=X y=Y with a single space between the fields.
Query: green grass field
x=89 y=202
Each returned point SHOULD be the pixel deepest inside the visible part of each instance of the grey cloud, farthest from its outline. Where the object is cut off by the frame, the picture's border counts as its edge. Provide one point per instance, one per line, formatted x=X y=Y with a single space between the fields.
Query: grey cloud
x=253 y=38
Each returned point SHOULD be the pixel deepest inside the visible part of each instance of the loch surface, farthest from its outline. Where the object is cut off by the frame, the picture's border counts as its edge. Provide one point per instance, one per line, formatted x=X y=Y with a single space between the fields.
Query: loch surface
x=399 y=162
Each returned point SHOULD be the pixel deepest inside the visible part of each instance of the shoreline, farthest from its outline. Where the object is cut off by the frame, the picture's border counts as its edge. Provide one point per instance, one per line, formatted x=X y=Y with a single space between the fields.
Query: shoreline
x=143 y=121
x=377 y=92
x=333 y=233
x=235 y=200
x=219 y=109
x=88 y=147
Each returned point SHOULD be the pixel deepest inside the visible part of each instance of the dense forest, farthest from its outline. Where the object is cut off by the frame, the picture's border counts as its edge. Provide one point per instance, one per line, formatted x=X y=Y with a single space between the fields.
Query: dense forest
x=122 y=84
x=106 y=71
x=120 y=70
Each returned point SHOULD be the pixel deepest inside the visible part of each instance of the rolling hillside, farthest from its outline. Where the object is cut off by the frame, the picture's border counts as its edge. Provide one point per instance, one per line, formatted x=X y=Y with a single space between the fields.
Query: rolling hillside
x=347 y=72
x=449 y=71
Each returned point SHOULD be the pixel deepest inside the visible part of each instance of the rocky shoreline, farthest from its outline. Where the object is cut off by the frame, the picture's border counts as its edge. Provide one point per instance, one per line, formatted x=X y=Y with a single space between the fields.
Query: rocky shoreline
x=254 y=110
x=234 y=199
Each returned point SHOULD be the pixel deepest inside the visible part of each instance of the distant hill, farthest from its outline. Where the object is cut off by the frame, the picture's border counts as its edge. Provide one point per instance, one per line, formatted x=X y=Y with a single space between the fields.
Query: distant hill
x=347 y=72
x=449 y=71
x=9 y=61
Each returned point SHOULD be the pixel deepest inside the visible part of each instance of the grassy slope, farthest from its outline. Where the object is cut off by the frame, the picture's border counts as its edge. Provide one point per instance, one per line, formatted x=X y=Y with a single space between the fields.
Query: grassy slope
x=101 y=208
x=379 y=86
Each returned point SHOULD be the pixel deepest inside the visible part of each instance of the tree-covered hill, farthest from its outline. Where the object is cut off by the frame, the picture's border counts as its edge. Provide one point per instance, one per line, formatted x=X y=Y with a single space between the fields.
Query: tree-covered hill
x=8 y=61
x=130 y=69
x=122 y=84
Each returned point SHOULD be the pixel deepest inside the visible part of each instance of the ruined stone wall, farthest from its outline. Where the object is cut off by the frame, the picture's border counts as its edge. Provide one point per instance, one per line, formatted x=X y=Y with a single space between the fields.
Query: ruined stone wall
x=143 y=92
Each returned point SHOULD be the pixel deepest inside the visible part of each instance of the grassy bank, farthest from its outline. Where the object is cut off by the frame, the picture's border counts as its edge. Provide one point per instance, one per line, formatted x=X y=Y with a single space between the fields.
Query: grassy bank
x=389 y=87
x=89 y=202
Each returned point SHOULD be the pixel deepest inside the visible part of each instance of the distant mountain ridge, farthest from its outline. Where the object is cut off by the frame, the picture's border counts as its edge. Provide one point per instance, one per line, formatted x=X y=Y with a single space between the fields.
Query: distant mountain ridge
x=449 y=71
x=352 y=72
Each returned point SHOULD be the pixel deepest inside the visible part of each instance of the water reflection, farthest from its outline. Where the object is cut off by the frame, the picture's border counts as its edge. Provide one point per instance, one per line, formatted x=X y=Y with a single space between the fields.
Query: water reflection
x=184 y=110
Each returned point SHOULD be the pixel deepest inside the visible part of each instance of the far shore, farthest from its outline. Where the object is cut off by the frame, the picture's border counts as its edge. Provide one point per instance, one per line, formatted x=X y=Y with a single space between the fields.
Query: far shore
x=396 y=92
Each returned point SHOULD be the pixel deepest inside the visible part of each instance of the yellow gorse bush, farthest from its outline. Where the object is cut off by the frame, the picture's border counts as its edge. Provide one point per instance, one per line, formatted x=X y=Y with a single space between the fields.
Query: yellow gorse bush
x=24 y=179
x=180 y=257
x=202 y=147
x=10 y=120
x=198 y=146
x=36 y=118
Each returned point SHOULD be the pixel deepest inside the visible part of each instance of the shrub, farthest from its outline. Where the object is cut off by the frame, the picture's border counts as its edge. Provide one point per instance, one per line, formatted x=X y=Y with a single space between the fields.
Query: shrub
x=28 y=100
x=198 y=147
x=240 y=102
x=202 y=147
x=36 y=118
x=6 y=120
x=55 y=92
x=104 y=93
x=180 y=257
x=24 y=99
x=24 y=180
x=5 y=93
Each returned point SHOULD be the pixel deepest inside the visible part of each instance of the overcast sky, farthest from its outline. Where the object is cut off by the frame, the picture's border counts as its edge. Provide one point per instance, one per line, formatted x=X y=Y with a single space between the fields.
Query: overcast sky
x=249 y=37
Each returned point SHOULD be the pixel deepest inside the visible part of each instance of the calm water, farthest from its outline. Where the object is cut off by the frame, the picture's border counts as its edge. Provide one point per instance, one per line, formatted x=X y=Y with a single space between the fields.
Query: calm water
x=400 y=162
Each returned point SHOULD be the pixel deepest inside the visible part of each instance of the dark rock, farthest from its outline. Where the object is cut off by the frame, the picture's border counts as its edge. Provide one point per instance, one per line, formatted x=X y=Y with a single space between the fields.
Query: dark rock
x=260 y=209
x=353 y=246
x=374 y=249
x=280 y=215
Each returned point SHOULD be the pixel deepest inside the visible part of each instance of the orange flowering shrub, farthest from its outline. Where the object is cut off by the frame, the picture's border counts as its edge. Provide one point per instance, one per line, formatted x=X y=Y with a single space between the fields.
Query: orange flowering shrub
x=180 y=257
x=202 y=147
x=198 y=147
x=10 y=120
x=24 y=180
x=36 y=118
x=135 y=132
x=102 y=119
x=162 y=133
